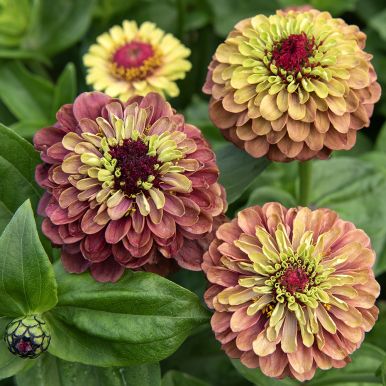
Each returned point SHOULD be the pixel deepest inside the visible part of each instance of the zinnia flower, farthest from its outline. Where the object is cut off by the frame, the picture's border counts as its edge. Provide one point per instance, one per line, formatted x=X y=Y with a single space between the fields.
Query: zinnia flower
x=293 y=289
x=127 y=185
x=295 y=85
x=130 y=61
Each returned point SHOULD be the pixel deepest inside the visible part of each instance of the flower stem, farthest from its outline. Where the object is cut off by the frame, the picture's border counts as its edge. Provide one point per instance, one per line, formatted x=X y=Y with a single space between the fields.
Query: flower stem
x=305 y=179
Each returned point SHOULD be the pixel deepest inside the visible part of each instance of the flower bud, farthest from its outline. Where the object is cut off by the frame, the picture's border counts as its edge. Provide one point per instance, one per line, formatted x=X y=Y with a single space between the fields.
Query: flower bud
x=27 y=337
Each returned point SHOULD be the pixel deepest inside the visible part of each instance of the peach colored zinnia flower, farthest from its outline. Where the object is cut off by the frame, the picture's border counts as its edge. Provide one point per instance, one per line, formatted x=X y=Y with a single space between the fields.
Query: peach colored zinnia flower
x=132 y=60
x=127 y=185
x=293 y=289
x=295 y=85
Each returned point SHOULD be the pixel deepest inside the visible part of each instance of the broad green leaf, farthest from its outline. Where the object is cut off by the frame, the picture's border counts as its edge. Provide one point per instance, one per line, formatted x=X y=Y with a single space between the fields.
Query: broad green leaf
x=18 y=160
x=52 y=371
x=65 y=89
x=9 y=363
x=28 y=96
x=176 y=378
x=27 y=284
x=142 y=318
x=56 y=25
x=238 y=170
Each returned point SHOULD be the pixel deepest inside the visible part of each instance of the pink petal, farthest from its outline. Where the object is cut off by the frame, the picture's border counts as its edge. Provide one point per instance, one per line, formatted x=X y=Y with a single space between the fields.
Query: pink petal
x=116 y=230
x=89 y=105
x=107 y=271
x=74 y=263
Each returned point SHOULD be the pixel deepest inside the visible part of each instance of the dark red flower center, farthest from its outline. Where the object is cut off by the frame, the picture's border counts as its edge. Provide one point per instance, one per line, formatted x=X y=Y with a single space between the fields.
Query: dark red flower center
x=134 y=165
x=292 y=53
x=133 y=54
x=294 y=280
x=24 y=346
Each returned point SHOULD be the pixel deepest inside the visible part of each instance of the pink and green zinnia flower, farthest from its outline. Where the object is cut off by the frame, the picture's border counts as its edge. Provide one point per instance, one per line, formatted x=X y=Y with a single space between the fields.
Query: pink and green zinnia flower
x=128 y=185
x=292 y=290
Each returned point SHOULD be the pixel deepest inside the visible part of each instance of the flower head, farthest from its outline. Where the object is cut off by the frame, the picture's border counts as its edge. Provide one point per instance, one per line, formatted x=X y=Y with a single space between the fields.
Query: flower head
x=127 y=185
x=293 y=289
x=27 y=337
x=132 y=60
x=295 y=85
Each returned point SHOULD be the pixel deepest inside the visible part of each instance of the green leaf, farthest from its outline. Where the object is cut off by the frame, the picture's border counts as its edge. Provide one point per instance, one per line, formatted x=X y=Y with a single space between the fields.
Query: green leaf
x=56 y=25
x=28 y=96
x=10 y=364
x=238 y=170
x=142 y=318
x=18 y=160
x=176 y=378
x=65 y=89
x=52 y=371
x=27 y=284
x=22 y=54
x=378 y=22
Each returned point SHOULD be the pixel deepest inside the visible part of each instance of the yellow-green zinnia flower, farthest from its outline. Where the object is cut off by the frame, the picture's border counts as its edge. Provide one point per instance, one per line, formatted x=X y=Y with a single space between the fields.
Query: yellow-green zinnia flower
x=295 y=85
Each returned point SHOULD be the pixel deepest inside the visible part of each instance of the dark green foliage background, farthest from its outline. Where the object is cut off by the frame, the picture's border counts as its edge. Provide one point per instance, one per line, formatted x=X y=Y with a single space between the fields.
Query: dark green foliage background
x=41 y=47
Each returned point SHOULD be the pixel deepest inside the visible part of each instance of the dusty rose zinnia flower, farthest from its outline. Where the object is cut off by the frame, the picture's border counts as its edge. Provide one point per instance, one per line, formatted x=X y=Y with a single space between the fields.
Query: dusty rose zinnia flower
x=292 y=289
x=132 y=60
x=295 y=85
x=127 y=185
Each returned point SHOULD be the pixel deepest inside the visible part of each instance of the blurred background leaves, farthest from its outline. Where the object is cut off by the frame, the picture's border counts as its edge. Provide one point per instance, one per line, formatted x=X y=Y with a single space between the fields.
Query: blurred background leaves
x=41 y=47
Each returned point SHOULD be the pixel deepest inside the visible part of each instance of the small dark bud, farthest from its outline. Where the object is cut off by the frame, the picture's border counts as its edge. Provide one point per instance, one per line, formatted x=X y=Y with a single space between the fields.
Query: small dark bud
x=27 y=337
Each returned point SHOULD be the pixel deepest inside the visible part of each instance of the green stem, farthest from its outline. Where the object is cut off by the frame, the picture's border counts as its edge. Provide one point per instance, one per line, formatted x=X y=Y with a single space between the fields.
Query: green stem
x=305 y=179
